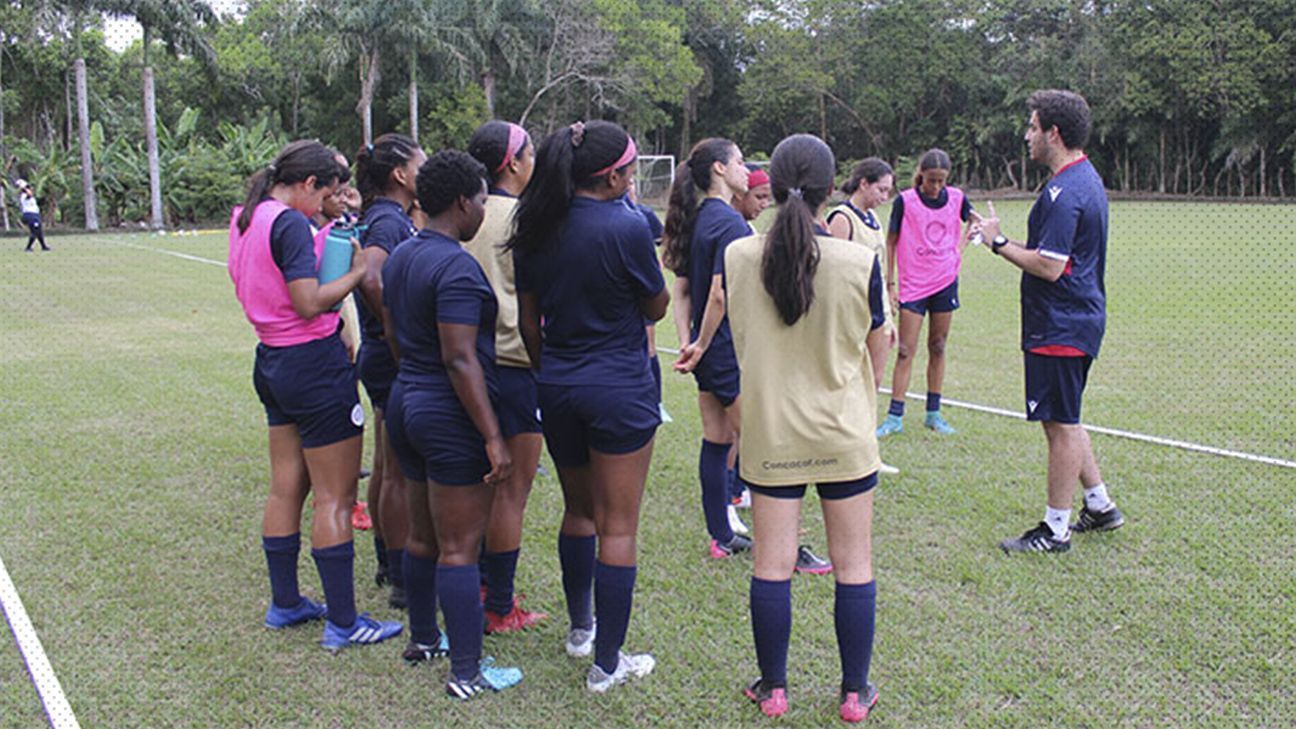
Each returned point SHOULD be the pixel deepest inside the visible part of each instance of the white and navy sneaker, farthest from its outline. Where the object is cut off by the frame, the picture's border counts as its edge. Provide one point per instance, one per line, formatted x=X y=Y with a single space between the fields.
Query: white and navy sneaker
x=1099 y=521
x=365 y=631
x=580 y=641
x=629 y=666
x=1038 y=539
x=735 y=522
x=416 y=653
x=490 y=677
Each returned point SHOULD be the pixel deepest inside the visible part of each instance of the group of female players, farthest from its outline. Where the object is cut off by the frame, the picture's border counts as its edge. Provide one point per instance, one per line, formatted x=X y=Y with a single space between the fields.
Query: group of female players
x=505 y=295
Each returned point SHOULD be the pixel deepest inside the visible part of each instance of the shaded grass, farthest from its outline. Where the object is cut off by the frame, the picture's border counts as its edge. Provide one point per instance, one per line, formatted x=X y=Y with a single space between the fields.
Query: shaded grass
x=134 y=468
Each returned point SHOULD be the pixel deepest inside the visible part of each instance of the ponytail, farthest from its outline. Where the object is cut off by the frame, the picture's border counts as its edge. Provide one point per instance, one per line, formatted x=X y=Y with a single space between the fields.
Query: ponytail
x=692 y=179
x=375 y=163
x=573 y=158
x=296 y=162
x=801 y=174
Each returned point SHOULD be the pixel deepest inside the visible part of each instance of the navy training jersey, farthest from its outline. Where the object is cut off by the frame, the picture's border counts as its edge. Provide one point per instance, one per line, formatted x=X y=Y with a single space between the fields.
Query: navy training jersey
x=589 y=280
x=1068 y=222
x=432 y=280
x=386 y=226
x=717 y=225
x=292 y=246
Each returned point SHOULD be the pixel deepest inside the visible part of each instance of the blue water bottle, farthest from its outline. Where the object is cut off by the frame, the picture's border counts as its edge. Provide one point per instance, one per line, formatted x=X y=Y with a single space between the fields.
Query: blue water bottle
x=335 y=260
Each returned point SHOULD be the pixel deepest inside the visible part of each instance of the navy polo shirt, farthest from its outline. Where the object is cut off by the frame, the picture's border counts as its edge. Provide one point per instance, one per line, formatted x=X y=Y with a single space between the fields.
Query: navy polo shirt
x=1068 y=222
x=650 y=216
x=293 y=247
x=432 y=280
x=589 y=280
x=716 y=226
x=941 y=200
x=386 y=226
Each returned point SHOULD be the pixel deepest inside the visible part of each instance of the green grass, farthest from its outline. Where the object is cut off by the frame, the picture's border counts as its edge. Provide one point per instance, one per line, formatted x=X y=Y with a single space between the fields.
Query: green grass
x=133 y=469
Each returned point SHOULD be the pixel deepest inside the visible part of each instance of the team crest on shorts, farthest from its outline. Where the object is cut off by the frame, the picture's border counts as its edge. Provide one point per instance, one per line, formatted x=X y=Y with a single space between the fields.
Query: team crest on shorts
x=357 y=416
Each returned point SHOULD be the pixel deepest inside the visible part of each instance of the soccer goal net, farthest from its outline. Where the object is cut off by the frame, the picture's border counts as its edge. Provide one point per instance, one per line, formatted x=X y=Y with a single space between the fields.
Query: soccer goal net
x=654 y=179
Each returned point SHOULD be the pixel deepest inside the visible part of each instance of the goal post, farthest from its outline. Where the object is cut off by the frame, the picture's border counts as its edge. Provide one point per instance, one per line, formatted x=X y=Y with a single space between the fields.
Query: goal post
x=654 y=178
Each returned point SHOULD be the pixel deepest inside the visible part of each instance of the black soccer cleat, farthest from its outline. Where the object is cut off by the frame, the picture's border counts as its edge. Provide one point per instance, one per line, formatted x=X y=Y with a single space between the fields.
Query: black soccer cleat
x=1037 y=539
x=1099 y=521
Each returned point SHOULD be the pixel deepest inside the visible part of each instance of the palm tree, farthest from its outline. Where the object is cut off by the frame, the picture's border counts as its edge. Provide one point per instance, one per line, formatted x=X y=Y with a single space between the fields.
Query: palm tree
x=499 y=30
x=430 y=26
x=177 y=23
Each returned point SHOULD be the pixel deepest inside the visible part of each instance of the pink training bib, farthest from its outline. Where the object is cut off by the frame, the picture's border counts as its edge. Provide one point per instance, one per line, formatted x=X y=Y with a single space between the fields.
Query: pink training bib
x=260 y=286
x=927 y=253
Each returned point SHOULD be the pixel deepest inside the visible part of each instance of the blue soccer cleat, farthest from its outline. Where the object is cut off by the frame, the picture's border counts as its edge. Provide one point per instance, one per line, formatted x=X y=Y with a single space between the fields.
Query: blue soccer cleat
x=935 y=422
x=278 y=618
x=490 y=677
x=892 y=424
x=365 y=631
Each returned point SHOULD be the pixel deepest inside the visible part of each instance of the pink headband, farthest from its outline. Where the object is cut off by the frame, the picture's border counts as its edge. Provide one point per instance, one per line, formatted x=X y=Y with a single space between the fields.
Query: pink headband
x=516 y=141
x=626 y=158
x=757 y=178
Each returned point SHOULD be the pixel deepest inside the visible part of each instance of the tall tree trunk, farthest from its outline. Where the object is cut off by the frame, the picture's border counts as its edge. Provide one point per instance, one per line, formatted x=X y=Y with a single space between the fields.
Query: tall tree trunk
x=686 y=122
x=4 y=155
x=488 y=89
x=67 y=111
x=1264 y=187
x=413 y=94
x=369 y=75
x=296 y=102
x=83 y=136
x=151 y=141
x=1161 y=178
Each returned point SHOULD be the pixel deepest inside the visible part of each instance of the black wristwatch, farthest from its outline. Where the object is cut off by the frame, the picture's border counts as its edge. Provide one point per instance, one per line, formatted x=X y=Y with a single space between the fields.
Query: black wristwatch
x=998 y=243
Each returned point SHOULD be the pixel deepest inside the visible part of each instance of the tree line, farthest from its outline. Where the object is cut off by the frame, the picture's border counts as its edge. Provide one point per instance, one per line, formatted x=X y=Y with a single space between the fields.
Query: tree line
x=1190 y=97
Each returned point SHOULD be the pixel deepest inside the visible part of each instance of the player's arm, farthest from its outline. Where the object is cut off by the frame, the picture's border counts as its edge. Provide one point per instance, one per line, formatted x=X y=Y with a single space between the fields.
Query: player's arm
x=529 y=325
x=892 y=289
x=459 y=352
x=839 y=225
x=683 y=305
x=712 y=315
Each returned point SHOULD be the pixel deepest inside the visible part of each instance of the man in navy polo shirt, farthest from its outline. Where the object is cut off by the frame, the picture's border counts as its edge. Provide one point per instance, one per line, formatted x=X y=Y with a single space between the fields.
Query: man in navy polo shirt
x=1064 y=313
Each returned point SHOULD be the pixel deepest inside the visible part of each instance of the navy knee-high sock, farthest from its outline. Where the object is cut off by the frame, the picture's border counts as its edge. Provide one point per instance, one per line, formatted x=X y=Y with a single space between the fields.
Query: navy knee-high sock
x=712 y=472
x=500 y=569
x=613 y=596
x=853 y=612
x=421 y=595
x=576 y=556
x=281 y=559
x=460 y=591
x=396 y=568
x=380 y=552
x=771 y=612
x=335 y=570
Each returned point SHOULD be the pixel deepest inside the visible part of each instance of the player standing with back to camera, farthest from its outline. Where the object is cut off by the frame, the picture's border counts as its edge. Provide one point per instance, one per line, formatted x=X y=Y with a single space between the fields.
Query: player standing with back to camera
x=587 y=278
x=807 y=310
x=1064 y=313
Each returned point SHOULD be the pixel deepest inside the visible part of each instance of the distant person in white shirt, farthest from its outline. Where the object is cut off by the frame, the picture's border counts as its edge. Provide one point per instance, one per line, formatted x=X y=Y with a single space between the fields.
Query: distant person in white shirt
x=30 y=214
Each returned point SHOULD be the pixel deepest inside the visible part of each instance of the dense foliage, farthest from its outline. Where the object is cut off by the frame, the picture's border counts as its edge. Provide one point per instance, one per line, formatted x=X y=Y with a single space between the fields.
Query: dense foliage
x=1189 y=96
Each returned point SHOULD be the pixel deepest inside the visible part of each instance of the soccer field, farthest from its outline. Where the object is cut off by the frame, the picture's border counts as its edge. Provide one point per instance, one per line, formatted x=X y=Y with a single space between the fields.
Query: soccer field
x=133 y=469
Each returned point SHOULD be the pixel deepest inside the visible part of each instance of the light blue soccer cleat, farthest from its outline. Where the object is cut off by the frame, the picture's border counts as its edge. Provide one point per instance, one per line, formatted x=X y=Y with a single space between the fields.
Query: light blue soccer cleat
x=935 y=422
x=892 y=424
x=490 y=677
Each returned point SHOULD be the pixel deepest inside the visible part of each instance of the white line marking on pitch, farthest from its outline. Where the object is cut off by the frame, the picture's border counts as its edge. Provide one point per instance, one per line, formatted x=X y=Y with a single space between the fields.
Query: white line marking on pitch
x=1156 y=440
x=177 y=254
x=47 y=684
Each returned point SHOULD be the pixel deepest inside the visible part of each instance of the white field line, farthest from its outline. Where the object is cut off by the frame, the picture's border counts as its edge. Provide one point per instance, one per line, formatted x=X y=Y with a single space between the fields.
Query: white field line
x=177 y=254
x=1128 y=434
x=47 y=684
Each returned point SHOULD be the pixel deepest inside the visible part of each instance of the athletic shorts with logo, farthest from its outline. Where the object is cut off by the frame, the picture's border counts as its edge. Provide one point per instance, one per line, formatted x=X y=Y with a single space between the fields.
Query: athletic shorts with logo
x=311 y=385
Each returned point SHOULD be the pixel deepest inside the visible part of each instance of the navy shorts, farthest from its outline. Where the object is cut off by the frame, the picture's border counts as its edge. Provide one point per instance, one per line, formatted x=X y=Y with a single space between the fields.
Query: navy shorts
x=718 y=374
x=604 y=418
x=31 y=220
x=1054 y=386
x=942 y=301
x=312 y=386
x=433 y=436
x=834 y=491
x=378 y=370
x=518 y=407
